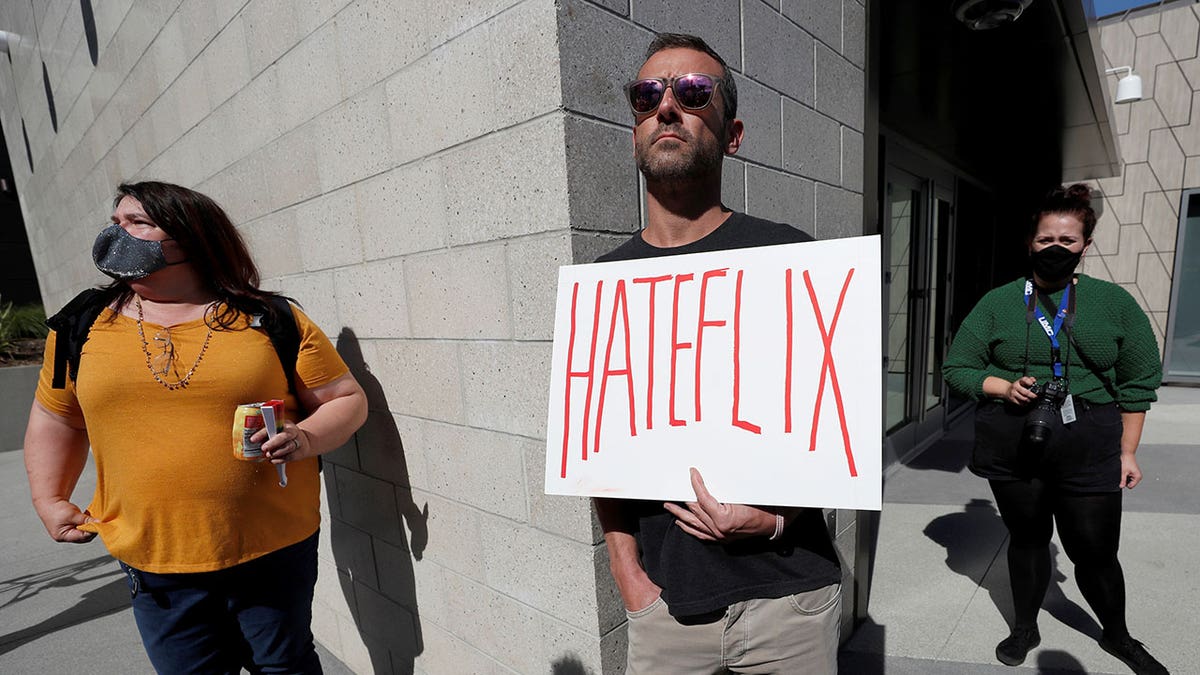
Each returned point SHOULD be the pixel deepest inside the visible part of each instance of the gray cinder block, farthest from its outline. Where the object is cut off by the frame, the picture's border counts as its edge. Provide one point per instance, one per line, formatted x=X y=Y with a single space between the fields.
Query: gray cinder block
x=839 y=212
x=459 y=293
x=821 y=18
x=372 y=300
x=780 y=197
x=523 y=194
x=505 y=386
x=811 y=144
x=840 y=88
x=760 y=108
x=602 y=179
x=601 y=53
x=778 y=53
x=717 y=21
x=533 y=282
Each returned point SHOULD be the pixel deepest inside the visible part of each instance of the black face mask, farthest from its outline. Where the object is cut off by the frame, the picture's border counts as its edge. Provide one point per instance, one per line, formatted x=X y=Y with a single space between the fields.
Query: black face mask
x=1054 y=263
x=124 y=257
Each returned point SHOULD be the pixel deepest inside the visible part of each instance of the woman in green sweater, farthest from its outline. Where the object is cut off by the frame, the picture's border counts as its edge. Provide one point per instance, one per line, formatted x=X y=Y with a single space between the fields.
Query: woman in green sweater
x=1064 y=368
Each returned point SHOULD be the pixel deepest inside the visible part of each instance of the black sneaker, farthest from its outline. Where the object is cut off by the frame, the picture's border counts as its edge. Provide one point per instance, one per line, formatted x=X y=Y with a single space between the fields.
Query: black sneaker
x=1013 y=649
x=1133 y=654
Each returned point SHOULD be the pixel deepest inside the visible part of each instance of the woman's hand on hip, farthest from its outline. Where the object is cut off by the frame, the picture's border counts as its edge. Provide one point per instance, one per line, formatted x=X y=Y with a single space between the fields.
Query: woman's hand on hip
x=1131 y=474
x=62 y=519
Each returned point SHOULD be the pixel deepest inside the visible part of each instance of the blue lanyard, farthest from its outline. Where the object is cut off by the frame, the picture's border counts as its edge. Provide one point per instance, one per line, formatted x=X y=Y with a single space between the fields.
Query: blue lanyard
x=1052 y=330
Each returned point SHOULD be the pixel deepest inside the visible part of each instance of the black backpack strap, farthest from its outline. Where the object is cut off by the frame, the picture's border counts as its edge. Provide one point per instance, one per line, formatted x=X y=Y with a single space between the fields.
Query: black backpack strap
x=280 y=326
x=71 y=325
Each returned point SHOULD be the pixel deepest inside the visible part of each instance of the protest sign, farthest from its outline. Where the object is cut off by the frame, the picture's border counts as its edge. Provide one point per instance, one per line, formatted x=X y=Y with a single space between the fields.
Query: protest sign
x=761 y=367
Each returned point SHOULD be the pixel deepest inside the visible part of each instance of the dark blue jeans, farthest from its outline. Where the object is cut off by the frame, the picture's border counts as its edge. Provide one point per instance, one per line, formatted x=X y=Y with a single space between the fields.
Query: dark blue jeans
x=255 y=615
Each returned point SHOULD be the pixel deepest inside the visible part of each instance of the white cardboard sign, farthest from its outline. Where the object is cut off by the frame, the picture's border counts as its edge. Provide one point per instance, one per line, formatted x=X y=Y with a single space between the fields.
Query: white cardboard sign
x=760 y=367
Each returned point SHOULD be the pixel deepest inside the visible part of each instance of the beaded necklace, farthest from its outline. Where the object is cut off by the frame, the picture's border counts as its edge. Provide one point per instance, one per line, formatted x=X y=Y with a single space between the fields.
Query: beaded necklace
x=180 y=383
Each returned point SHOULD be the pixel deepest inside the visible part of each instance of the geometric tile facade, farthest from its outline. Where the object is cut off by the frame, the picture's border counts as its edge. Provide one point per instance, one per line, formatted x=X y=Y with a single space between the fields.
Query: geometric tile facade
x=1159 y=139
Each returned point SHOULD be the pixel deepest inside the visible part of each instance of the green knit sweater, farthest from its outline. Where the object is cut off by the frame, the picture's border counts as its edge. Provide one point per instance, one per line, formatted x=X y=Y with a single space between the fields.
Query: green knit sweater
x=1110 y=330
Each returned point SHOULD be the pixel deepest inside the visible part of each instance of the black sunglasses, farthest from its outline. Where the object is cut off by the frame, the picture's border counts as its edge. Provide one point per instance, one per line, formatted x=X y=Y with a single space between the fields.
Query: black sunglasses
x=693 y=91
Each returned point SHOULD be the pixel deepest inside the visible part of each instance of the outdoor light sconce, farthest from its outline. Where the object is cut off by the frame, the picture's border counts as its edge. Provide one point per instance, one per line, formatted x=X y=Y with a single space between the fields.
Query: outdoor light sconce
x=1129 y=88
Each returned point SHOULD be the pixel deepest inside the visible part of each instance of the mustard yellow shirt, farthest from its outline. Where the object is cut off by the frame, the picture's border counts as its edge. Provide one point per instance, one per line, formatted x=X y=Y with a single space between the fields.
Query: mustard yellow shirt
x=170 y=496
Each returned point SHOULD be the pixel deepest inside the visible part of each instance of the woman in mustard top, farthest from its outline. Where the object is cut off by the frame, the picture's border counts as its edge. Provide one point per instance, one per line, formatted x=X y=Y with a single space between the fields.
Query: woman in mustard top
x=220 y=557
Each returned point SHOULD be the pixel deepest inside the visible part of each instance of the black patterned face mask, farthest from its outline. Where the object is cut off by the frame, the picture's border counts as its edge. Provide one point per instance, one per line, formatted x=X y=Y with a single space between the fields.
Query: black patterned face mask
x=1054 y=263
x=124 y=257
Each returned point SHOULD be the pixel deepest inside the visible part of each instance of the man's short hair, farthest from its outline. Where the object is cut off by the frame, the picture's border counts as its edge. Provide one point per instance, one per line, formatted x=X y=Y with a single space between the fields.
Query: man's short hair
x=684 y=41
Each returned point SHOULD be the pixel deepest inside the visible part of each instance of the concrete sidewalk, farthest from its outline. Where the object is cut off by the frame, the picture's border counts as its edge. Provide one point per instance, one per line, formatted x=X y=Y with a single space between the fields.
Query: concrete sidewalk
x=64 y=608
x=938 y=606
x=940 y=599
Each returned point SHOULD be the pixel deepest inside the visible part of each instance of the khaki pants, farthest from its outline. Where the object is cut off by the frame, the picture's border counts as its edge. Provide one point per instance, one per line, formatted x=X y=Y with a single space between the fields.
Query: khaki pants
x=795 y=634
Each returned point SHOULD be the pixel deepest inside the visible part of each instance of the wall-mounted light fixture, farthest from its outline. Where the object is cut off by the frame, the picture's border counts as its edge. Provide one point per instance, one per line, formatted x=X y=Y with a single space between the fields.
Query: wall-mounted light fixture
x=5 y=38
x=1129 y=88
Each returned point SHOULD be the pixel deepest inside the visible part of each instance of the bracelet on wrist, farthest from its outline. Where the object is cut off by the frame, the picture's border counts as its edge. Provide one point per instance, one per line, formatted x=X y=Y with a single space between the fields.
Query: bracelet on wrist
x=778 y=527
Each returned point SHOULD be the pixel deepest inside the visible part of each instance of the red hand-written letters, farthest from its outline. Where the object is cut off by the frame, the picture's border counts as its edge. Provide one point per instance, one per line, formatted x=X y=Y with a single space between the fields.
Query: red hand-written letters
x=707 y=319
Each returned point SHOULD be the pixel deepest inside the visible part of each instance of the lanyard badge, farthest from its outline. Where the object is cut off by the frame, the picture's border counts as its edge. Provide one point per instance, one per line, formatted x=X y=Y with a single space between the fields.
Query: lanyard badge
x=1052 y=329
x=1063 y=314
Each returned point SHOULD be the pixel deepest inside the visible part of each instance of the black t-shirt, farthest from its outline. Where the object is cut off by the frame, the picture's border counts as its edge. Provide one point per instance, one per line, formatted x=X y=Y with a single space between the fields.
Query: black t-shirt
x=699 y=577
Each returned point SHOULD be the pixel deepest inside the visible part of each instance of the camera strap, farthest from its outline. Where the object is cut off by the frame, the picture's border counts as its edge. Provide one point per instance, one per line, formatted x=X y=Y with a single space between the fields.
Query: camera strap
x=1064 y=314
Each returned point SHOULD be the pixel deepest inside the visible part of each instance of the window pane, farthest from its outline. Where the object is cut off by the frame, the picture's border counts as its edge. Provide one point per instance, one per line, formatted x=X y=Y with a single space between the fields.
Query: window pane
x=904 y=205
x=1184 y=340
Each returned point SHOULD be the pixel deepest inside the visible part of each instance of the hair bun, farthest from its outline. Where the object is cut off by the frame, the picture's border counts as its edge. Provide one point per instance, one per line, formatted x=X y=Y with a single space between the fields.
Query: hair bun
x=1079 y=192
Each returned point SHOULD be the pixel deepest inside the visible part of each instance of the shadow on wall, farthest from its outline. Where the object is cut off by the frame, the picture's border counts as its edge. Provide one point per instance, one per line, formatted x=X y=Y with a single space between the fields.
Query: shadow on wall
x=371 y=502
x=568 y=665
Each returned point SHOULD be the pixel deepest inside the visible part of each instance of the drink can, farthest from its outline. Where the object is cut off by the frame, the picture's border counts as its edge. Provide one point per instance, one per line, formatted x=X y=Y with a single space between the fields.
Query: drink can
x=247 y=420
x=277 y=406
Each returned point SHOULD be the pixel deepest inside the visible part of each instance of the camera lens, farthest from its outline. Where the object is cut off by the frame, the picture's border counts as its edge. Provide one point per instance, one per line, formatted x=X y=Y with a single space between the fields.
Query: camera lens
x=1040 y=420
x=1037 y=426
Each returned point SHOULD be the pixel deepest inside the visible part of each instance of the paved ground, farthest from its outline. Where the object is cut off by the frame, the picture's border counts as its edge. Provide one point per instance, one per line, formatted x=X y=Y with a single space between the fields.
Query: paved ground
x=938 y=605
x=64 y=609
x=940 y=596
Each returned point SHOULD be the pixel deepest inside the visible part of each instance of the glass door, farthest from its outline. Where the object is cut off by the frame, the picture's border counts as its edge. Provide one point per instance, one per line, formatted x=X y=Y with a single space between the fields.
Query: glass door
x=938 y=279
x=903 y=217
x=919 y=212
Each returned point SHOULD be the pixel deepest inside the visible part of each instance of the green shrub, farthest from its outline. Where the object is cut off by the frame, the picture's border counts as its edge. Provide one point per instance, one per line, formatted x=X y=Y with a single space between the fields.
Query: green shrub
x=27 y=321
x=17 y=322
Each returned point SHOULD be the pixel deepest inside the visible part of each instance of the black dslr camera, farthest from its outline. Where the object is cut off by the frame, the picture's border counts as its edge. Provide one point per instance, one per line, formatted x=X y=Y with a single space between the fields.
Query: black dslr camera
x=1038 y=421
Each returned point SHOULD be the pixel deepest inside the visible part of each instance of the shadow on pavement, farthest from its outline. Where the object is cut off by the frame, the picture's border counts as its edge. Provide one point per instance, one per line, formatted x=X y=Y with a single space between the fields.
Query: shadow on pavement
x=966 y=536
x=98 y=602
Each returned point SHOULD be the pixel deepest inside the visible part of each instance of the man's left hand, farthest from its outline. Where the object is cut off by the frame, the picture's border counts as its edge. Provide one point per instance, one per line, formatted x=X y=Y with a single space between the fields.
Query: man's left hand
x=710 y=520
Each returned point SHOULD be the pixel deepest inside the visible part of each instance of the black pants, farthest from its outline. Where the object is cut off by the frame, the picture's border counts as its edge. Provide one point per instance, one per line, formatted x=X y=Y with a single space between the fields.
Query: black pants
x=1072 y=481
x=1089 y=526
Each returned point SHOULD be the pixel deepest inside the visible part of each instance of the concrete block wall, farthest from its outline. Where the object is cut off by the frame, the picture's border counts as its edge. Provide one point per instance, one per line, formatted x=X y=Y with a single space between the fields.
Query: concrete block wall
x=799 y=67
x=1159 y=138
x=414 y=173
x=399 y=168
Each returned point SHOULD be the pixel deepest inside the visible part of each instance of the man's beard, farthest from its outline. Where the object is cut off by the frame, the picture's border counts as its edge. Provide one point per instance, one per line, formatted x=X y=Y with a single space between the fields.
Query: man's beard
x=694 y=158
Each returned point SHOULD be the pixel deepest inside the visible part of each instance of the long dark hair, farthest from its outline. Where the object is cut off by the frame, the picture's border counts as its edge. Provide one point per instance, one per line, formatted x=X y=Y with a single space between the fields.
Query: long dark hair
x=1068 y=200
x=211 y=243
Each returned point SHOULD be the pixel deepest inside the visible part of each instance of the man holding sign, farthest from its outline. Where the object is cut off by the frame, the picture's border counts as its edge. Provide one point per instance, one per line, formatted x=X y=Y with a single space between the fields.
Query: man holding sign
x=711 y=586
